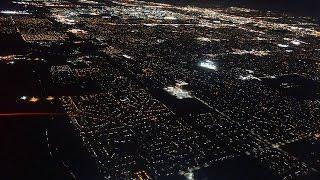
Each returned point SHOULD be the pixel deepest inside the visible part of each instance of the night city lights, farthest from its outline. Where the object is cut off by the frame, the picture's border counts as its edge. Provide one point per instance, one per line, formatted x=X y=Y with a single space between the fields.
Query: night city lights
x=157 y=89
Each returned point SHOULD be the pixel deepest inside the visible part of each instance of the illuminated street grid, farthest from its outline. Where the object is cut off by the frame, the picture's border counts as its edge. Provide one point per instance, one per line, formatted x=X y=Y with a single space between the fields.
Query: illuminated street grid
x=250 y=69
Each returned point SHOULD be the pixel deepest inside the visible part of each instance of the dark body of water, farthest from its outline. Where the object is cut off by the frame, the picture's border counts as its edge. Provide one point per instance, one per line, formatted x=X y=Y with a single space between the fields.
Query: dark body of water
x=42 y=148
x=24 y=153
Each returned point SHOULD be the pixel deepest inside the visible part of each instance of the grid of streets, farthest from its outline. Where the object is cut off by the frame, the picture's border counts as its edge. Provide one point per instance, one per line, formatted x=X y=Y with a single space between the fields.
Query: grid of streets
x=156 y=90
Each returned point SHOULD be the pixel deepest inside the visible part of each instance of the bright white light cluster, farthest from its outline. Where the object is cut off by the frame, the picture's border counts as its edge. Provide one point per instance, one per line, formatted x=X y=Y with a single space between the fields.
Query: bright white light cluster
x=14 y=12
x=208 y=64
x=178 y=91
